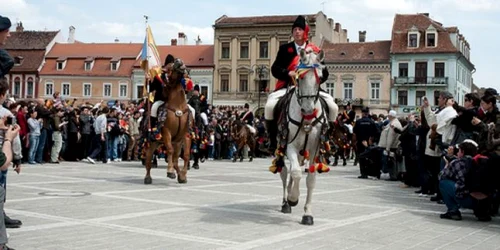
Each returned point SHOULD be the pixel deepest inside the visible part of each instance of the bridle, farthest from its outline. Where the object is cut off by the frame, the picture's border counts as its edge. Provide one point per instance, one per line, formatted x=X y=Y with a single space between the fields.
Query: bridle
x=301 y=71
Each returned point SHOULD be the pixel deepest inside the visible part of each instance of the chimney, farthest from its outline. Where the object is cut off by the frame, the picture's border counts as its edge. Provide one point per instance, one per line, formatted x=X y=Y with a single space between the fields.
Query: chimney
x=337 y=27
x=362 y=36
x=198 y=40
x=71 y=36
x=117 y=40
x=19 y=27
x=182 y=38
x=173 y=42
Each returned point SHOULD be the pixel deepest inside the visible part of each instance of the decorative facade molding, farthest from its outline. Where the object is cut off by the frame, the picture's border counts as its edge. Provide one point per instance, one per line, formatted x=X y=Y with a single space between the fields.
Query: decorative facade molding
x=360 y=67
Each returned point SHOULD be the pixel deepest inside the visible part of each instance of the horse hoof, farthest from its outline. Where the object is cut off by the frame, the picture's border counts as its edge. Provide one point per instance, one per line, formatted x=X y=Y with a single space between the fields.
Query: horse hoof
x=196 y=166
x=307 y=220
x=293 y=203
x=251 y=159
x=148 y=180
x=182 y=181
x=286 y=209
x=344 y=164
x=171 y=175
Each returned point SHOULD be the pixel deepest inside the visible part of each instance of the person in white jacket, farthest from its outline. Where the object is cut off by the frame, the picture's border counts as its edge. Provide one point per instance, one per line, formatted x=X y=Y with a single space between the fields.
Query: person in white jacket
x=389 y=141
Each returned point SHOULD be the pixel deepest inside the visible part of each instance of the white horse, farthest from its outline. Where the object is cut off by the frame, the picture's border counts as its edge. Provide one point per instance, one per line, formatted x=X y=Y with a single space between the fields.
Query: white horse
x=307 y=122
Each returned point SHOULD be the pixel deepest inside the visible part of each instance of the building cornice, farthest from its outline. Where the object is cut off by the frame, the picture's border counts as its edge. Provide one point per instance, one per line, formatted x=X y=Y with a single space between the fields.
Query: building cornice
x=359 y=67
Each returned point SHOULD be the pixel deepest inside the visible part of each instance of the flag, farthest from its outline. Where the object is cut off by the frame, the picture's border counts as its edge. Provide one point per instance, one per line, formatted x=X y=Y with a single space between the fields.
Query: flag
x=150 y=58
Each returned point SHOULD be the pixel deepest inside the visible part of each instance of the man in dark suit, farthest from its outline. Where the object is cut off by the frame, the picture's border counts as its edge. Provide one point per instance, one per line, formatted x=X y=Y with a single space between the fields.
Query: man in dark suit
x=283 y=69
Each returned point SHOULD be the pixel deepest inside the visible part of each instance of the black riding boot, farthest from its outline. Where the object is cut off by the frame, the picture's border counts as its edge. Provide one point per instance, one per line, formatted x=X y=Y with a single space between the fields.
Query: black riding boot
x=154 y=121
x=272 y=131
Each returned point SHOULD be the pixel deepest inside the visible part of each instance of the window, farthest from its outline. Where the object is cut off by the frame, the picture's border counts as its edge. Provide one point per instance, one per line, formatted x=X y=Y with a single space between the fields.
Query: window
x=60 y=65
x=87 y=89
x=330 y=88
x=244 y=50
x=224 y=83
x=413 y=40
x=114 y=66
x=402 y=97
x=431 y=39
x=438 y=69
x=436 y=97
x=107 y=90
x=65 y=90
x=225 y=51
x=263 y=50
x=49 y=88
x=418 y=97
x=243 y=83
x=17 y=87
x=29 y=87
x=375 y=91
x=123 y=90
x=403 y=70
x=88 y=66
x=347 y=90
x=18 y=60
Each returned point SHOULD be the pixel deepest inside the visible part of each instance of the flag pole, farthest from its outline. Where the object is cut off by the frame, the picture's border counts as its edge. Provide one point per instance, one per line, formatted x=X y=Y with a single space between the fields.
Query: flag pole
x=146 y=72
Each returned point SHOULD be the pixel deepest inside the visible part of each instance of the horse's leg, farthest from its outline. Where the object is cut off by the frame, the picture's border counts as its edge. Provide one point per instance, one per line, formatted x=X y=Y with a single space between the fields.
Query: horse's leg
x=307 y=218
x=149 y=156
x=251 y=148
x=336 y=162
x=344 y=155
x=243 y=144
x=167 y=140
x=183 y=174
x=285 y=207
x=295 y=175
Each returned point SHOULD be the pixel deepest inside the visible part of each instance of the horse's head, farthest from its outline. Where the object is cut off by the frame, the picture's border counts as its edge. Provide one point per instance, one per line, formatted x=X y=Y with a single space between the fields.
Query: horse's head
x=177 y=69
x=310 y=73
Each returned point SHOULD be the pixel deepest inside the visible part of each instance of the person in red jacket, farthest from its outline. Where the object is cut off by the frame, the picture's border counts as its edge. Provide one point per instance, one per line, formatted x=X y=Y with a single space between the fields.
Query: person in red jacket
x=23 y=124
x=284 y=68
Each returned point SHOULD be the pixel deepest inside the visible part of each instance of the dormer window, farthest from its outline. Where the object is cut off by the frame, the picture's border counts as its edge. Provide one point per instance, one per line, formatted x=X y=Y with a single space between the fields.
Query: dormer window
x=431 y=37
x=18 y=60
x=89 y=63
x=88 y=66
x=60 y=63
x=413 y=37
x=115 y=63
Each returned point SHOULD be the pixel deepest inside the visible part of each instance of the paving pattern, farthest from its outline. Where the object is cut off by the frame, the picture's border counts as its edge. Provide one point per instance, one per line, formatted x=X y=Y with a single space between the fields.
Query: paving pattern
x=224 y=205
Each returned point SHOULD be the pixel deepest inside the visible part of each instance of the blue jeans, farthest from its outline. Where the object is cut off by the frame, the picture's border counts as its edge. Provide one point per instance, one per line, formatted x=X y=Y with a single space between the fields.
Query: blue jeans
x=113 y=146
x=34 y=141
x=453 y=203
x=211 y=152
x=41 y=145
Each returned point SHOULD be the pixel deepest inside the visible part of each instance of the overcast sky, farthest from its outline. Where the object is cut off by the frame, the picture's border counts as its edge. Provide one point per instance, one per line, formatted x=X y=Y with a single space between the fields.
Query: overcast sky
x=105 y=20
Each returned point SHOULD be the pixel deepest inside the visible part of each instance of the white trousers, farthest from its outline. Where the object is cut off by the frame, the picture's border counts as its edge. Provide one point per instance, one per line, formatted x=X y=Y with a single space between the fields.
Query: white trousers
x=154 y=108
x=273 y=99
x=204 y=118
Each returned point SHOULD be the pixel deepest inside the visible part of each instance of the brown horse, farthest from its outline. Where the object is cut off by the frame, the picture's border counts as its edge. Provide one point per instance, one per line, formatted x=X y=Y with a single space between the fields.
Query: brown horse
x=242 y=136
x=175 y=130
x=340 y=139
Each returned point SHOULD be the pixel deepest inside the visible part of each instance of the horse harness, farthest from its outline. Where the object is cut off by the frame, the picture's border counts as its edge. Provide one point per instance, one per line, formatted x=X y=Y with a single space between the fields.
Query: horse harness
x=179 y=114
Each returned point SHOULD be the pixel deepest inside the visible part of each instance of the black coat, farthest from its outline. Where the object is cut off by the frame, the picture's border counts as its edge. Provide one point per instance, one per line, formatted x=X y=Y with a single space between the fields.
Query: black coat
x=286 y=54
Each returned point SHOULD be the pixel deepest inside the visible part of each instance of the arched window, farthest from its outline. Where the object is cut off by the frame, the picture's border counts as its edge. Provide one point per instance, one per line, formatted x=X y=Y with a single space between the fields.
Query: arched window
x=29 y=88
x=17 y=87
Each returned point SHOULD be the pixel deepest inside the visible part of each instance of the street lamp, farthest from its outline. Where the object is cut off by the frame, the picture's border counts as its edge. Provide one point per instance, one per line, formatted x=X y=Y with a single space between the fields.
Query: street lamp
x=262 y=71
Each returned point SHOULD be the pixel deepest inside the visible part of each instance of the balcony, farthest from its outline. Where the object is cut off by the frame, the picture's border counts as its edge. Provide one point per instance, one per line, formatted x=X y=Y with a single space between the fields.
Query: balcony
x=421 y=81
x=353 y=102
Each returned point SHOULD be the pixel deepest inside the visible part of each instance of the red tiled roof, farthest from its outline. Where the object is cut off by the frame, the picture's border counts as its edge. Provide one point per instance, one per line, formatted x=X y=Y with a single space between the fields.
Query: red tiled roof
x=403 y=23
x=101 y=67
x=253 y=20
x=368 y=52
x=75 y=55
x=30 y=40
x=32 y=59
x=96 y=50
x=192 y=55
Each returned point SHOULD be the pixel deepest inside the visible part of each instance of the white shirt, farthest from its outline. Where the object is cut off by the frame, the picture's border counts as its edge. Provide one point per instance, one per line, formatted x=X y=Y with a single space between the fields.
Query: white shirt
x=298 y=48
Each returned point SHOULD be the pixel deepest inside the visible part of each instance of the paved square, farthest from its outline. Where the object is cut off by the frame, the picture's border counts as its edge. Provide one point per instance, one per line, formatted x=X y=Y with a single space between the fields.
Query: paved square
x=224 y=205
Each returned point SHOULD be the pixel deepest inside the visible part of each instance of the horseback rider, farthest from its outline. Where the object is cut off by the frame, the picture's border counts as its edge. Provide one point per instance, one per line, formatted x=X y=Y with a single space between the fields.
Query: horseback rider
x=284 y=68
x=247 y=115
x=195 y=102
x=348 y=117
x=156 y=89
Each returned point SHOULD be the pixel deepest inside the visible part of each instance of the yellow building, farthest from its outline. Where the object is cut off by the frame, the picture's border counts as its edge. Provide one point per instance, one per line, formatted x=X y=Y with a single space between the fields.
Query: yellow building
x=245 y=48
